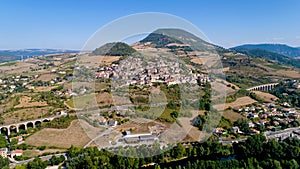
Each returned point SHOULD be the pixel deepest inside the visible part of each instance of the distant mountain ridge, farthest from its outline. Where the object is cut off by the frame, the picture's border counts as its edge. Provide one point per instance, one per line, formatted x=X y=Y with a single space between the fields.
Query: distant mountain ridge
x=281 y=49
x=12 y=55
x=256 y=52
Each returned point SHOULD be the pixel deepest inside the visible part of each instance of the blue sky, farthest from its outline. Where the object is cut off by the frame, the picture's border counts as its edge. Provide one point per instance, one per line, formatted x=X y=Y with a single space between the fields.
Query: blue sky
x=69 y=23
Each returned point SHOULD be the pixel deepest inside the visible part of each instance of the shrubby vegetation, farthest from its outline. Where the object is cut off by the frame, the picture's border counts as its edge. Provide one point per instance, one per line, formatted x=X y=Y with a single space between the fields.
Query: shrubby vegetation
x=286 y=93
x=255 y=97
x=4 y=163
x=243 y=125
x=3 y=141
x=240 y=93
x=205 y=99
x=51 y=99
x=56 y=160
x=160 y=40
x=59 y=123
x=225 y=123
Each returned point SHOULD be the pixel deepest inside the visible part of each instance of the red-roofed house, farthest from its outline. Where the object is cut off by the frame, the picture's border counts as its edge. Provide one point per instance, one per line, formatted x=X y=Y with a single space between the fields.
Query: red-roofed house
x=16 y=153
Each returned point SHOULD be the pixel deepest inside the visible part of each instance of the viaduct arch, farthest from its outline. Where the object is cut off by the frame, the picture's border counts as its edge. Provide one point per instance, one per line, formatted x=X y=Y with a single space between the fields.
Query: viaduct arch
x=16 y=127
x=264 y=87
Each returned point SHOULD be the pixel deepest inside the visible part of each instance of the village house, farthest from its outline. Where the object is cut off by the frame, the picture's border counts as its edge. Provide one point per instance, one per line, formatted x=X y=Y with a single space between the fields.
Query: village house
x=251 y=125
x=296 y=85
x=3 y=152
x=102 y=120
x=264 y=116
x=236 y=129
x=285 y=104
x=219 y=130
x=19 y=138
x=254 y=115
x=255 y=131
x=63 y=113
x=263 y=122
x=16 y=153
x=112 y=123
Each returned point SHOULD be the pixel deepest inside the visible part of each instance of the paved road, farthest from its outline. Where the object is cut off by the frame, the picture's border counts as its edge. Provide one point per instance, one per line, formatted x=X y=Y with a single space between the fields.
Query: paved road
x=280 y=133
x=268 y=134
x=233 y=141
x=14 y=162
x=125 y=145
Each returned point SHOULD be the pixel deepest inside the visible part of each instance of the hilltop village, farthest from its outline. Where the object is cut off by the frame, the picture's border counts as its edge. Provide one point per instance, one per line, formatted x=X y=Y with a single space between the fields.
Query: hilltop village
x=45 y=98
x=136 y=72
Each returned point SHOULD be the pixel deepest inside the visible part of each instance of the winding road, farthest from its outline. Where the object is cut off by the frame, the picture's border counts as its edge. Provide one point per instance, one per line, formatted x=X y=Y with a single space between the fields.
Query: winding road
x=48 y=157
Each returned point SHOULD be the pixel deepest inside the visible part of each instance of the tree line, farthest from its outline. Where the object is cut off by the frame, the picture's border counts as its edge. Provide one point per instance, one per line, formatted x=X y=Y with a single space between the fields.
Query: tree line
x=255 y=152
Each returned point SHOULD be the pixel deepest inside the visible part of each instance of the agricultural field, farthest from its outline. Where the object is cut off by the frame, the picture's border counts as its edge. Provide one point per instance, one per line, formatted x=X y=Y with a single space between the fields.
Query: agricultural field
x=191 y=131
x=63 y=138
x=289 y=73
x=90 y=101
x=99 y=59
x=26 y=114
x=47 y=77
x=242 y=101
x=232 y=116
x=43 y=89
x=266 y=97
x=26 y=101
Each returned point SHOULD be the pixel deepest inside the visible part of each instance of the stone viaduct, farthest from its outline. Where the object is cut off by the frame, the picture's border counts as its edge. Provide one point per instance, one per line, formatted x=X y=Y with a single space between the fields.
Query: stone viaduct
x=264 y=87
x=16 y=127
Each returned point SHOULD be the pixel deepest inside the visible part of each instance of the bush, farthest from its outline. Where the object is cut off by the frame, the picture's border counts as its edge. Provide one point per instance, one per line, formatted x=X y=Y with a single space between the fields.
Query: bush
x=56 y=160
x=42 y=148
x=59 y=123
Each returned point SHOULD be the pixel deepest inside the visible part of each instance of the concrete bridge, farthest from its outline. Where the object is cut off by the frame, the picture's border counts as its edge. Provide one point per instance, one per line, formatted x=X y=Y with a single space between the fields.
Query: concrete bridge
x=16 y=127
x=264 y=87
